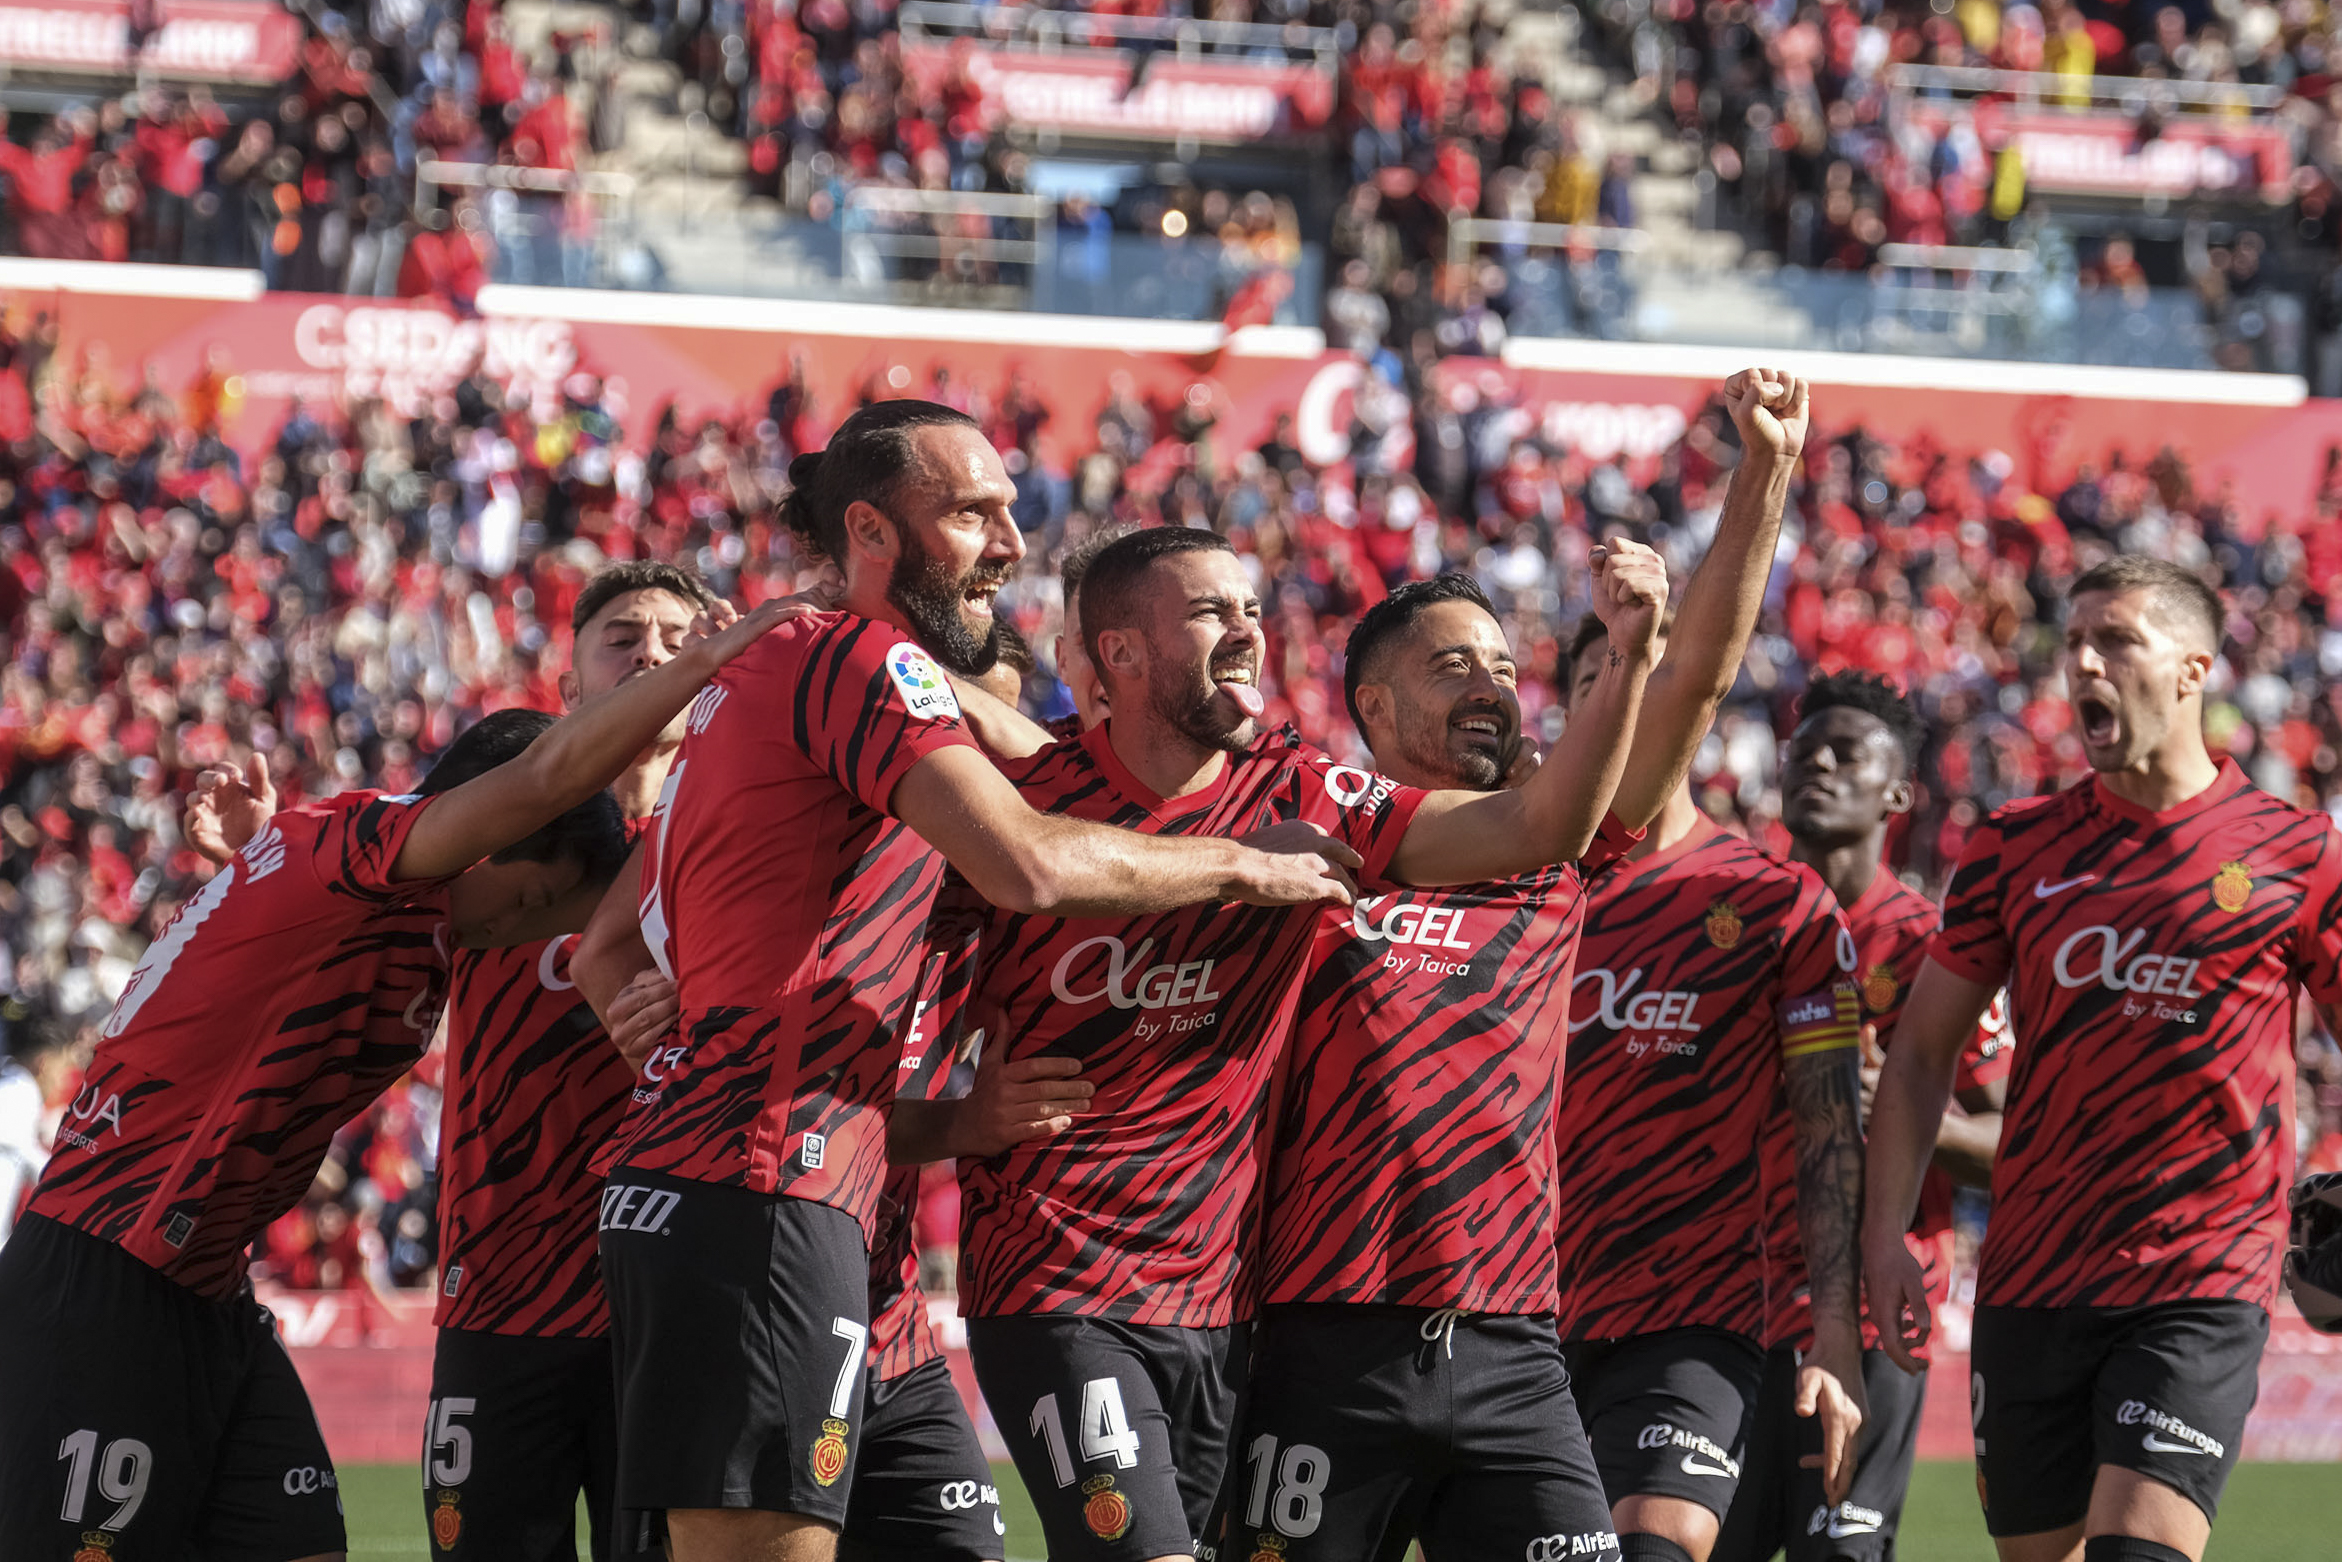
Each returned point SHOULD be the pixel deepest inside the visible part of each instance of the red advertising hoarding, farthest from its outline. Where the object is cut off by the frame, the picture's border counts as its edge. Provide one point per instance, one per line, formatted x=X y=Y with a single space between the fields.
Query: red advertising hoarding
x=2116 y=154
x=1088 y=91
x=251 y=41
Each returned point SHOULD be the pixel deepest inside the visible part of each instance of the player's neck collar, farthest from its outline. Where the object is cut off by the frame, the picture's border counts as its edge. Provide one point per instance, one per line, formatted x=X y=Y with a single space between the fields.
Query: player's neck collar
x=1120 y=776
x=2227 y=780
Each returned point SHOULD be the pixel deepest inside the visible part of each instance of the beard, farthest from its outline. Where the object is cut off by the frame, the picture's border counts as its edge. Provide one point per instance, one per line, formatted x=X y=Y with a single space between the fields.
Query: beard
x=929 y=595
x=1192 y=709
x=1440 y=751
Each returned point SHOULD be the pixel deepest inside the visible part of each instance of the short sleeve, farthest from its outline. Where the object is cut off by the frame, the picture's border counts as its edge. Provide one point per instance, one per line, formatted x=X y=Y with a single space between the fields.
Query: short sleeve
x=1610 y=845
x=1991 y=1050
x=352 y=843
x=1973 y=942
x=1366 y=812
x=1821 y=1007
x=874 y=705
x=2318 y=936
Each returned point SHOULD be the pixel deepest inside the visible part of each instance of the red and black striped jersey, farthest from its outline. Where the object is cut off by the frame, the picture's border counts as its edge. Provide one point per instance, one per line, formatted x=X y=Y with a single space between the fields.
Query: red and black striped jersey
x=792 y=910
x=287 y=994
x=1702 y=966
x=1892 y=924
x=902 y=1337
x=2152 y=961
x=1413 y=1159
x=534 y=1088
x=1146 y=1210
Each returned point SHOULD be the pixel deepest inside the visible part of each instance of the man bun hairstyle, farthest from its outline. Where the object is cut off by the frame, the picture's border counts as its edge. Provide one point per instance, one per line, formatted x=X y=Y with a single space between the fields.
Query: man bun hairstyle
x=1110 y=593
x=1855 y=689
x=592 y=835
x=867 y=458
x=1388 y=619
x=613 y=581
x=2179 y=594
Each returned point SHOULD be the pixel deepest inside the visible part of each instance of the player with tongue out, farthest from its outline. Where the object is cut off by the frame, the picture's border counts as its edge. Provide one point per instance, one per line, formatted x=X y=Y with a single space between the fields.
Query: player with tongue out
x=1105 y=1266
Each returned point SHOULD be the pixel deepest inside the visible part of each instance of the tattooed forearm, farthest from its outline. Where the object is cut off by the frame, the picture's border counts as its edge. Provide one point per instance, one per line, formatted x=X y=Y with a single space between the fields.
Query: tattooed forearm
x=1825 y=1101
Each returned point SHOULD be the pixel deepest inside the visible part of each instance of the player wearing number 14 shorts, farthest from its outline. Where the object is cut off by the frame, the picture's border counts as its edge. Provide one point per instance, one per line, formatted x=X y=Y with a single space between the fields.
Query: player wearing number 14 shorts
x=2155 y=924
x=1407 y=1380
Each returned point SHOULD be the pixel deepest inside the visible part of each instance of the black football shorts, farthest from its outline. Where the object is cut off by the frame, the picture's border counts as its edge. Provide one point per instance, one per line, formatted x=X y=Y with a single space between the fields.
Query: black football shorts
x=922 y=1486
x=518 y=1428
x=1367 y=1427
x=140 y=1419
x=1120 y=1430
x=2162 y=1388
x=1668 y=1413
x=740 y=1321
x=1780 y=1506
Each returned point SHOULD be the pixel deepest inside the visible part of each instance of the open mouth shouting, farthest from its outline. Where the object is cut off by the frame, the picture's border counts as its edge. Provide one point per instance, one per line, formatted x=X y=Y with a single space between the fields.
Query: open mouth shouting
x=2099 y=716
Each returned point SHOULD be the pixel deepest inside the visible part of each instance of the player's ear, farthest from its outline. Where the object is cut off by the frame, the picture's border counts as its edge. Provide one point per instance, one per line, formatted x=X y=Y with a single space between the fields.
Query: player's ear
x=1899 y=796
x=2195 y=671
x=1376 y=709
x=1122 y=654
x=572 y=691
x=870 y=531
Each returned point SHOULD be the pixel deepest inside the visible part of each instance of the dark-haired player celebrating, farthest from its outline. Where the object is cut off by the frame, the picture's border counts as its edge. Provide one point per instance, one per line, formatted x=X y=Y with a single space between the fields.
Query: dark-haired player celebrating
x=1105 y=1268
x=1712 y=977
x=2154 y=923
x=1408 y=1373
x=1847 y=774
x=786 y=888
x=143 y=1395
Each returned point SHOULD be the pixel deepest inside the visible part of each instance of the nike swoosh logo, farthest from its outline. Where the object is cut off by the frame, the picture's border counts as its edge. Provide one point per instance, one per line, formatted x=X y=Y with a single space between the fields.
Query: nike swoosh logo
x=2043 y=889
x=2154 y=1444
x=1840 y=1531
x=1690 y=1468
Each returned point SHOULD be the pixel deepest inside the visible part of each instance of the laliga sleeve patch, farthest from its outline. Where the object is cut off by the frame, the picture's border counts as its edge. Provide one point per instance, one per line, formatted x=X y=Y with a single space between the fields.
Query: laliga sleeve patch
x=926 y=692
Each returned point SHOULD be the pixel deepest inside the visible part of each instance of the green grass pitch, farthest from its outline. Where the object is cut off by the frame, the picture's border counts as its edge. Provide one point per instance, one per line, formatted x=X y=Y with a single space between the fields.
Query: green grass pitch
x=2272 y=1513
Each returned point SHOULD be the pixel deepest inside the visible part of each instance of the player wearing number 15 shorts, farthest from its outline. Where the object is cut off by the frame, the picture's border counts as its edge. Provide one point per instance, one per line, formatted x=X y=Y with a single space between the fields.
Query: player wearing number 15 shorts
x=2155 y=924
x=145 y=1404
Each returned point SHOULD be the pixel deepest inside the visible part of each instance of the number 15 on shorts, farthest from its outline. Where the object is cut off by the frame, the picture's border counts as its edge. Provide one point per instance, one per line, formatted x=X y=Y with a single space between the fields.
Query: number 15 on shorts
x=1105 y=1430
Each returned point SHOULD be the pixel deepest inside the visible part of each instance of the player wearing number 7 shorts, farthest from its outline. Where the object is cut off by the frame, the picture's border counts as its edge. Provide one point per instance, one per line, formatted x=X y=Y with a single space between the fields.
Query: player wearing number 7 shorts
x=146 y=1407
x=2155 y=924
x=1408 y=1381
x=1105 y=1270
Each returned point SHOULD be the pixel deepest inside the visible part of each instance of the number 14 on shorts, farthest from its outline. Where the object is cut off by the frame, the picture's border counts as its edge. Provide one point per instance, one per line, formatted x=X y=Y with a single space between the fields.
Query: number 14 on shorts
x=1106 y=1431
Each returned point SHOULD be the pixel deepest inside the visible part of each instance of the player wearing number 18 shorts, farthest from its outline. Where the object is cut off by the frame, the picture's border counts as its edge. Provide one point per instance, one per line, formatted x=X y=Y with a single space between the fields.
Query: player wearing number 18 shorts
x=1407 y=1379
x=1105 y=1270
x=2155 y=924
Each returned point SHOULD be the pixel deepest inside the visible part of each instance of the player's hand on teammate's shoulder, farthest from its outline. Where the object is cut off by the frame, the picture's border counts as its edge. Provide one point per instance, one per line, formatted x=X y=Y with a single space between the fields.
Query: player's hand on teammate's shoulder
x=645 y=1010
x=1021 y=1099
x=726 y=632
x=1770 y=408
x=1630 y=595
x=1528 y=754
x=1293 y=863
x=227 y=807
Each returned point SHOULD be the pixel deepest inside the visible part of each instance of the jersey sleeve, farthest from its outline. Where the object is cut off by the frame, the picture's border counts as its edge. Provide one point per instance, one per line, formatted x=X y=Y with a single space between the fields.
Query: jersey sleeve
x=1366 y=812
x=357 y=839
x=873 y=708
x=1821 y=1007
x=2318 y=937
x=1973 y=942
x=1611 y=844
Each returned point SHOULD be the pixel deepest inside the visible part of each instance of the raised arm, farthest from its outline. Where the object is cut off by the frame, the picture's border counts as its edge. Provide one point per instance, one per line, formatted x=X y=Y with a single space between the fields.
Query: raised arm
x=578 y=756
x=1471 y=837
x=1719 y=608
x=1914 y=1085
x=1023 y=860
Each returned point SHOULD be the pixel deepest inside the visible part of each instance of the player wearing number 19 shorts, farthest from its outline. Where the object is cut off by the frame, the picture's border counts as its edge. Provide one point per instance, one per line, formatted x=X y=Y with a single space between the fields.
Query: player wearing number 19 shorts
x=2155 y=923
x=1408 y=1380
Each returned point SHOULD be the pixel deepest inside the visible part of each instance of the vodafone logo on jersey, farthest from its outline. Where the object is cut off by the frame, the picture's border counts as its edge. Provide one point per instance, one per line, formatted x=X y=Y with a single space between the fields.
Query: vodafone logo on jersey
x=2103 y=957
x=1377 y=920
x=1619 y=1007
x=1130 y=982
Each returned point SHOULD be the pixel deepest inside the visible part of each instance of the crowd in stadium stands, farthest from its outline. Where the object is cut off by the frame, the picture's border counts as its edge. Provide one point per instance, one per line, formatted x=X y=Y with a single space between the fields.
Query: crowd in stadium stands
x=347 y=597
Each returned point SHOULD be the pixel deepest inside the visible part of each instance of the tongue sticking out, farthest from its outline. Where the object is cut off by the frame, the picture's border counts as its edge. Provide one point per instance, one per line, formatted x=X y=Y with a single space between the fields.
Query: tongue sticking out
x=1247 y=697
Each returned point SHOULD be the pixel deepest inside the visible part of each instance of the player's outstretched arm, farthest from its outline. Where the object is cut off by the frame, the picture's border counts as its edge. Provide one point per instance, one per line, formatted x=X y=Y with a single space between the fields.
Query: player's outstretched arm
x=1023 y=860
x=1719 y=608
x=610 y=952
x=1472 y=837
x=578 y=755
x=1005 y=731
x=1825 y=1107
x=1914 y=1085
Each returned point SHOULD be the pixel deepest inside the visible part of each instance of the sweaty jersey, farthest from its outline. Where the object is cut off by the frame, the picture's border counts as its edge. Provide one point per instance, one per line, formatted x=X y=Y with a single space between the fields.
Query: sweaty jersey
x=1145 y=1210
x=1413 y=1159
x=791 y=909
x=288 y=993
x=2152 y=961
x=534 y=1088
x=1702 y=967
x=1892 y=924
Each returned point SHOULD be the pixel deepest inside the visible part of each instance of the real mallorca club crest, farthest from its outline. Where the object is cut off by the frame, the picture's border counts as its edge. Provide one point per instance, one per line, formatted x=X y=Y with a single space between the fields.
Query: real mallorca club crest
x=1269 y=1548
x=447 y=1521
x=829 y=1454
x=96 y=1546
x=2232 y=886
x=1879 y=988
x=1724 y=926
x=1105 y=1510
